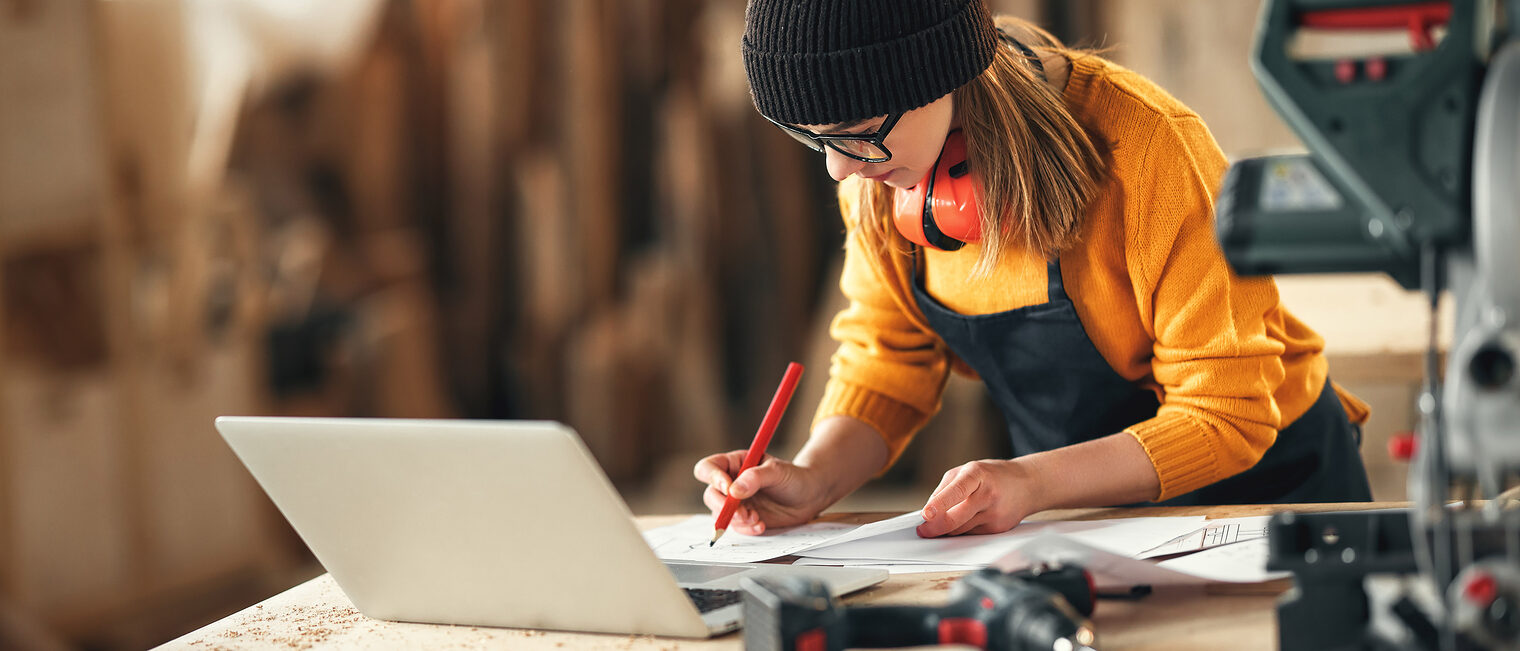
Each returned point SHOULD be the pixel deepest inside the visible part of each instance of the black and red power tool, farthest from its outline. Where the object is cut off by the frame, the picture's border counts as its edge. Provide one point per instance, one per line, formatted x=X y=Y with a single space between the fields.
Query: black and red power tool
x=1044 y=609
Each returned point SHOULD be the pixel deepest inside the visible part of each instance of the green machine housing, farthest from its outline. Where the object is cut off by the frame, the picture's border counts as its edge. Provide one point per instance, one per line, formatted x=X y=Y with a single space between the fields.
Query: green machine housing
x=1390 y=137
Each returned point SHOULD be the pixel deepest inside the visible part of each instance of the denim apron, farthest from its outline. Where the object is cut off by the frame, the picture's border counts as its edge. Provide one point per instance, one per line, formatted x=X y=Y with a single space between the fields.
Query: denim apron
x=1055 y=389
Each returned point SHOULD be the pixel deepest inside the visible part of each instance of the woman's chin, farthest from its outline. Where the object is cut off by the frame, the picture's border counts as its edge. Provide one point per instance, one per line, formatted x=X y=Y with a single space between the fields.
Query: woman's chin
x=890 y=179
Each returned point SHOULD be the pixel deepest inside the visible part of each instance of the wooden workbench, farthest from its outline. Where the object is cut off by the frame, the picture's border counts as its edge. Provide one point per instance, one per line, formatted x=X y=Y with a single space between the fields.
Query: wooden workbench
x=316 y=614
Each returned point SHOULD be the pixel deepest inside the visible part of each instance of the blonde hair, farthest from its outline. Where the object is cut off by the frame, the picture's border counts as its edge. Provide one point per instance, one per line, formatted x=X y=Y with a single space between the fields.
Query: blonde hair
x=1038 y=167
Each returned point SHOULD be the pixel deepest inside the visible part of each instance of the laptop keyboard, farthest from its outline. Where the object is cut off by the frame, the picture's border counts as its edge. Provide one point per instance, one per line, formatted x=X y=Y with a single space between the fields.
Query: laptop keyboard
x=710 y=600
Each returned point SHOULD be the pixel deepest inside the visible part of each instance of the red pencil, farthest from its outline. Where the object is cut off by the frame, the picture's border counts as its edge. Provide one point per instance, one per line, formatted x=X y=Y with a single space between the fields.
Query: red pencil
x=757 y=448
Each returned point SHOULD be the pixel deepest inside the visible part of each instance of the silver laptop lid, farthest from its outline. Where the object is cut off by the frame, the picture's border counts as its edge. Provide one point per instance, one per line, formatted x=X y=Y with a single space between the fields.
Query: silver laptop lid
x=496 y=523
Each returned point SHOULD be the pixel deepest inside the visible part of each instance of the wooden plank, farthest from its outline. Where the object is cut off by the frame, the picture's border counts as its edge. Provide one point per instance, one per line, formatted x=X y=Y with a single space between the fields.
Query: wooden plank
x=50 y=172
x=743 y=257
x=618 y=383
x=144 y=104
x=590 y=39
x=519 y=45
x=406 y=378
x=787 y=170
x=696 y=377
x=144 y=107
x=10 y=561
x=370 y=143
x=595 y=393
x=1364 y=315
x=649 y=341
x=552 y=292
x=685 y=208
x=469 y=309
x=685 y=202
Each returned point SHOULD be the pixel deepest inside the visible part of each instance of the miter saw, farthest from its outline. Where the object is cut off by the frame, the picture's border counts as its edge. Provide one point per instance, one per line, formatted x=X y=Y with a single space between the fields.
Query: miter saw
x=1413 y=170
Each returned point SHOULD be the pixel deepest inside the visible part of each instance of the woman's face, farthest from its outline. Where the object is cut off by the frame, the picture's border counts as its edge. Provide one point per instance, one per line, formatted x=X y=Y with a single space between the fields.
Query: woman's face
x=915 y=143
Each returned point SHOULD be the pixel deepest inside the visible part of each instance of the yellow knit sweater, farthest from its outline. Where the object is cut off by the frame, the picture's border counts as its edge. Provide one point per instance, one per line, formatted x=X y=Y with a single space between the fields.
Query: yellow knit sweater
x=1230 y=365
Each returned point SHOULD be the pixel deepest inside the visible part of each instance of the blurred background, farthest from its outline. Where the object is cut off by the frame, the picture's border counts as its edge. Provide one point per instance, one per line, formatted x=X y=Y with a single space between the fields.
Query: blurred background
x=537 y=209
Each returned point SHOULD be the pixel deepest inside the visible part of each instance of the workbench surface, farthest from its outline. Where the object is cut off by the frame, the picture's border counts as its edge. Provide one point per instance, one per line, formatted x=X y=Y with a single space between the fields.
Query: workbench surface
x=316 y=614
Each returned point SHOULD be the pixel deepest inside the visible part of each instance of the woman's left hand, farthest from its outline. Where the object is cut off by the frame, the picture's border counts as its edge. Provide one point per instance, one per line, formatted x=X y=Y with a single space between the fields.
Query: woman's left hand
x=985 y=496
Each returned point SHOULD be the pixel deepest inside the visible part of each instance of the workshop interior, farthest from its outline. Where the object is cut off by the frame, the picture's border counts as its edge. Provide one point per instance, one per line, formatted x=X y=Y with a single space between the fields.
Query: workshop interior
x=571 y=211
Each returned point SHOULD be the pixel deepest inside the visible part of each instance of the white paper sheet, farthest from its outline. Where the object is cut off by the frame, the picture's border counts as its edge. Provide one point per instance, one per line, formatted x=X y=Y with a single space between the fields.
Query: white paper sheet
x=900 y=542
x=687 y=541
x=893 y=567
x=906 y=521
x=1217 y=532
x=895 y=541
x=1241 y=562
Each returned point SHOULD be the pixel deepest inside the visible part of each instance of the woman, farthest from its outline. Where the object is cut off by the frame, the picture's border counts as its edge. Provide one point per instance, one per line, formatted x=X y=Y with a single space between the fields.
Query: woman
x=1080 y=280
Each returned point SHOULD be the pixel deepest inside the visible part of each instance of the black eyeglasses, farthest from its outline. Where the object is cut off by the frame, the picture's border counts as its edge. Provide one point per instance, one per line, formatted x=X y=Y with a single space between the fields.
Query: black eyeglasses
x=864 y=147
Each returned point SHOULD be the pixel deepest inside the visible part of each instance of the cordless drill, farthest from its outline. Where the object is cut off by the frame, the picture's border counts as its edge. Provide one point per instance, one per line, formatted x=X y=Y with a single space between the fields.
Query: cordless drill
x=988 y=609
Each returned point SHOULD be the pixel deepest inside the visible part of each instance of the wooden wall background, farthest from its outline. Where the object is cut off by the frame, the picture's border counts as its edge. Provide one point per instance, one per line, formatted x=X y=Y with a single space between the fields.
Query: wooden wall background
x=502 y=209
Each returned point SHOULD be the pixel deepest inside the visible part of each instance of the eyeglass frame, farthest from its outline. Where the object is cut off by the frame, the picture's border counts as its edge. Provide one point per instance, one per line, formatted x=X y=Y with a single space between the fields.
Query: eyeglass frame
x=816 y=141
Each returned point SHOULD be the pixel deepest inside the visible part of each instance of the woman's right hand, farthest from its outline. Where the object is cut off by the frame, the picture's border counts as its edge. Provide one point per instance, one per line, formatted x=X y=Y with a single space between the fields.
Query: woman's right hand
x=775 y=493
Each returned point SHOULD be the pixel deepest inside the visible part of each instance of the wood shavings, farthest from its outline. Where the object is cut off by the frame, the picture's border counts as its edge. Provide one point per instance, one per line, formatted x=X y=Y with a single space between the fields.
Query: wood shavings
x=302 y=627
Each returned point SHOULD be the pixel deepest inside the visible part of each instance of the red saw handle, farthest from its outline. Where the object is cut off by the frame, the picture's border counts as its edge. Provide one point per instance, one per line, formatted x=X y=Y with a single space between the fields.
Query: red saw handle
x=1419 y=19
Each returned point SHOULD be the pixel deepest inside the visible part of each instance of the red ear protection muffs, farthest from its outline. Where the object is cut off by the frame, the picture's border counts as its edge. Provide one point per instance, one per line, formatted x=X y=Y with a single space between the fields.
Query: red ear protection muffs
x=940 y=211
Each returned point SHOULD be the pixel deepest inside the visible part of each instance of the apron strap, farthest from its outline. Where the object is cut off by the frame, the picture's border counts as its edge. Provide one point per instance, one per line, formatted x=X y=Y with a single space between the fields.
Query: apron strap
x=1055 y=289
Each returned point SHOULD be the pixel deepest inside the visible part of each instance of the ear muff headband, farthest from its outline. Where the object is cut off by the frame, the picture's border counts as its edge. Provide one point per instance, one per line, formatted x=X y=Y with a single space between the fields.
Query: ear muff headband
x=940 y=212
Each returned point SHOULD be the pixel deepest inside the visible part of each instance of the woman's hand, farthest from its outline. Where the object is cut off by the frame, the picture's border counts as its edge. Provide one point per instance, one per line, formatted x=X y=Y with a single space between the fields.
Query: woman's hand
x=776 y=493
x=995 y=495
x=986 y=496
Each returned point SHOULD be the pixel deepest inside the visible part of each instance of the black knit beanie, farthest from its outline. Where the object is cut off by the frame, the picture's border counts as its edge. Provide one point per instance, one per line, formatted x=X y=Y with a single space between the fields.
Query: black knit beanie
x=828 y=61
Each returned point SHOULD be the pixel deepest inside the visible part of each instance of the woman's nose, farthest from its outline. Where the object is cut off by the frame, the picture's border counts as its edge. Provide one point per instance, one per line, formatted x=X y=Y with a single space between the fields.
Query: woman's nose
x=840 y=166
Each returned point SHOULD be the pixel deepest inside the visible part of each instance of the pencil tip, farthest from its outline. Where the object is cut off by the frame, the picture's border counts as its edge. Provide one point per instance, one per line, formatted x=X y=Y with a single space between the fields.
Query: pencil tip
x=717 y=533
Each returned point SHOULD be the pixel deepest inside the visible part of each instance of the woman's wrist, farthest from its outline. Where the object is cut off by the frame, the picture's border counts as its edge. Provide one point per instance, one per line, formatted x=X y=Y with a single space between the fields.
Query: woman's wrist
x=844 y=453
x=1037 y=485
x=1103 y=472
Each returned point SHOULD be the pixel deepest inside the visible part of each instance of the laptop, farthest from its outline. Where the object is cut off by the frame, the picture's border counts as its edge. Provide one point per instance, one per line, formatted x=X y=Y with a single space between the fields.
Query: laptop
x=486 y=523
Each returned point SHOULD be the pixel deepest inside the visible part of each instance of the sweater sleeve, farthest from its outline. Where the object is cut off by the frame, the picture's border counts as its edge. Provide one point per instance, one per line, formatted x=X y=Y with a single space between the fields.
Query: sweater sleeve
x=1213 y=357
x=890 y=368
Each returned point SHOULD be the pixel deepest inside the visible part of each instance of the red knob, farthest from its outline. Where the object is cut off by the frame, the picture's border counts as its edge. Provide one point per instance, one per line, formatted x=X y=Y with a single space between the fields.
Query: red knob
x=1377 y=68
x=1403 y=446
x=1481 y=589
x=1345 y=71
